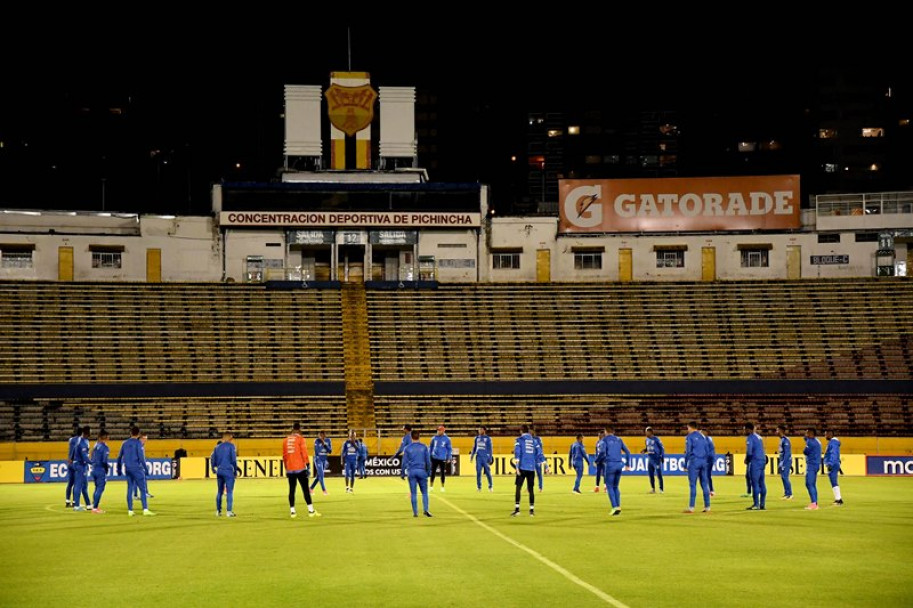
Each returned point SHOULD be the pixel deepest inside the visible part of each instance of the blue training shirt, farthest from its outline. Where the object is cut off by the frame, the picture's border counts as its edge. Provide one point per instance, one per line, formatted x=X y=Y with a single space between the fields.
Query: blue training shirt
x=654 y=449
x=416 y=457
x=323 y=448
x=81 y=453
x=832 y=453
x=100 y=454
x=785 y=453
x=407 y=439
x=481 y=449
x=224 y=459
x=527 y=453
x=613 y=447
x=441 y=449
x=812 y=453
x=711 y=451
x=350 y=450
x=696 y=448
x=577 y=454
x=755 y=450
x=131 y=457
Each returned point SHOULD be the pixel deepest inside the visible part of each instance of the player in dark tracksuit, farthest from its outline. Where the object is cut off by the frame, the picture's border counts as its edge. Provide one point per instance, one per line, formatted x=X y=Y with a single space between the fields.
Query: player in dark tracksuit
x=224 y=461
x=323 y=447
x=579 y=459
x=350 y=461
x=71 y=473
x=812 y=453
x=482 y=452
x=100 y=466
x=527 y=456
x=756 y=460
x=613 y=447
x=696 y=451
x=417 y=464
x=785 y=465
x=81 y=471
x=656 y=454
x=132 y=463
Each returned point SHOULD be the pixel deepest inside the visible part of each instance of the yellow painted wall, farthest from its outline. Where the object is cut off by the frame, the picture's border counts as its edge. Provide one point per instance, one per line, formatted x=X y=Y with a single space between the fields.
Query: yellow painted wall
x=165 y=448
x=12 y=472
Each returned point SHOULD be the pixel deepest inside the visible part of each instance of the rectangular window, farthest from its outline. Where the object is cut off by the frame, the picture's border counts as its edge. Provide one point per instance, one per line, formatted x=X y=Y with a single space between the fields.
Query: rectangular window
x=451 y=245
x=15 y=257
x=866 y=237
x=755 y=258
x=827 y=133
x=106 y=259
x=831 y=237
x=587 y=260
x=670 y=258
x=505 y=260
x=872 y=132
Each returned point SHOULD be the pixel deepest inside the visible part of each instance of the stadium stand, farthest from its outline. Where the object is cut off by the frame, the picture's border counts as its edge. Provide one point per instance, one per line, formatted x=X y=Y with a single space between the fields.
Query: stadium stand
x=188 y=360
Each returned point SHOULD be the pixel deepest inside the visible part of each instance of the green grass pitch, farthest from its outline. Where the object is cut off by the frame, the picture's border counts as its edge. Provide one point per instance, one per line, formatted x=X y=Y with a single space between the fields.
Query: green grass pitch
x=367 y=550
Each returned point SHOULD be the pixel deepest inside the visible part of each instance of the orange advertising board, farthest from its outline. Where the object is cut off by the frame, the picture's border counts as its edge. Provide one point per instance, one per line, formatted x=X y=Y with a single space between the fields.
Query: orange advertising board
x=678 y=204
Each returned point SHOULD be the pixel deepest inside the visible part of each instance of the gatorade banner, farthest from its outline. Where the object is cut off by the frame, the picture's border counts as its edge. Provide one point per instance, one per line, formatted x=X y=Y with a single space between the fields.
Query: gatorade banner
x=50 y=471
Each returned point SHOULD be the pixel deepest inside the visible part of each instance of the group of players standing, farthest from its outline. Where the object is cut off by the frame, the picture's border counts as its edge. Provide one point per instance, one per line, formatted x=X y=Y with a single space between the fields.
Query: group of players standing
x=421 y=462
x=131 y=462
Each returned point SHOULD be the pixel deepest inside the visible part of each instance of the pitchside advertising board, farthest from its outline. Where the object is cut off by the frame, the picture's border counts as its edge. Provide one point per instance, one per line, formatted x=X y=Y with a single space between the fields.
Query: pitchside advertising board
x=678 y=204
x=673 y=464
x=375 y=466
x=889 y=466
x=44 y=471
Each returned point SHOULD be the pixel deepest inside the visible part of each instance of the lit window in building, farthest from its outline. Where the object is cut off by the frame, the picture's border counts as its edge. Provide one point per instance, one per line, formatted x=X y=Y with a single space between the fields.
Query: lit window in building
x=773 y=144
x=15 y=257
x=537 y=162
x=755 y=258
x=589 y=260
x=668 y=129
x=649 y=160
x=827 y=133
x=904 y=122
x=872 y=132
x=670 y=258
x=830 y=167
x=611 y=159
x=106 y=259
x=573 y=130
x=507 y=260
x=592 y=159
x=667 y=160
x=748 y=146
x=874 y=167
x=555 y=132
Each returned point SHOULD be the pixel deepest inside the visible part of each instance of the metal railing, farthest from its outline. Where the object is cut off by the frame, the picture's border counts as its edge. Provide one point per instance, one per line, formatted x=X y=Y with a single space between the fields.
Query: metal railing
x=864 y=204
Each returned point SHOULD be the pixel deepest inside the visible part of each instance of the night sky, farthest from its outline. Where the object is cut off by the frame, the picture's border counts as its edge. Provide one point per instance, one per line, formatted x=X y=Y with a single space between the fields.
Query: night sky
x=202 y=95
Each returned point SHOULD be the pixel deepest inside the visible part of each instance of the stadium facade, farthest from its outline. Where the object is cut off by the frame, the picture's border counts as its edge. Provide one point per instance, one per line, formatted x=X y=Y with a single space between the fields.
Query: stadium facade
x=357 y=215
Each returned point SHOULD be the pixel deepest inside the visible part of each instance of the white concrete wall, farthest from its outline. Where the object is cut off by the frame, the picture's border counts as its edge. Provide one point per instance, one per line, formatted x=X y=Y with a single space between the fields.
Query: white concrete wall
x=458 y=249
x=189 y=245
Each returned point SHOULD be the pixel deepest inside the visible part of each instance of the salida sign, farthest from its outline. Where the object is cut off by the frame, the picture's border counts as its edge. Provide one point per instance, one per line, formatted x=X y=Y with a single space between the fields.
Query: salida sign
x=679 y=204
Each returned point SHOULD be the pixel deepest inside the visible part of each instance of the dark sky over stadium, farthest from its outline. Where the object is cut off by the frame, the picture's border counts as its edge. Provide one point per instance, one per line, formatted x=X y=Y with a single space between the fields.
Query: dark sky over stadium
x=205 y=93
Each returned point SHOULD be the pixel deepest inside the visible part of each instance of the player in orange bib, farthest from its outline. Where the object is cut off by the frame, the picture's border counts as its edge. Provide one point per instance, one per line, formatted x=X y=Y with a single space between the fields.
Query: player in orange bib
x=295 y=457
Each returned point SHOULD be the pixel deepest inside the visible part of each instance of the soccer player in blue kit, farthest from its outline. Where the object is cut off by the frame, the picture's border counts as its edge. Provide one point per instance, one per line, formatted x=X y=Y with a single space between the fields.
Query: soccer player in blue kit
x=482 y=452
x=417 y=464
x=224 y=461
x=323 y=447
x=785 y=461
x=696 y=450
x=350 y=461
x=132 y=463
x=656 y=454
x=100 y=466
x=755 y=458
x=613 y=447
x=527 y=455
x=832 y=464
x=81 y=471
x=812 y=453
x=579 y=459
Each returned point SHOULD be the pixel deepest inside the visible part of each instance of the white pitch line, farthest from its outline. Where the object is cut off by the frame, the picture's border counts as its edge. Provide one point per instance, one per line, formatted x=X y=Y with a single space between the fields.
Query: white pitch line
x=560 y=570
